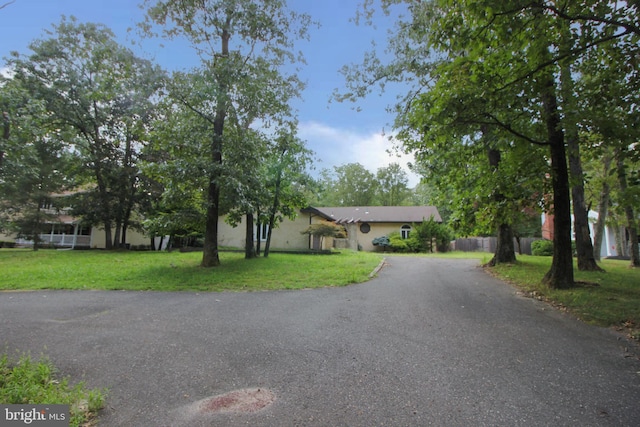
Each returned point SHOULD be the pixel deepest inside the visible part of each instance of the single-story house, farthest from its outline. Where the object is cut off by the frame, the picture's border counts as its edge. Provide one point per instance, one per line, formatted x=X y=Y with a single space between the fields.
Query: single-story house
x=365 y=223
x=362 y=224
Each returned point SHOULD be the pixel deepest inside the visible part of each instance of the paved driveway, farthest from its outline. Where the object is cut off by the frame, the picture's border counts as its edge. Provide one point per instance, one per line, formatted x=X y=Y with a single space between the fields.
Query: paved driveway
x=428 y=342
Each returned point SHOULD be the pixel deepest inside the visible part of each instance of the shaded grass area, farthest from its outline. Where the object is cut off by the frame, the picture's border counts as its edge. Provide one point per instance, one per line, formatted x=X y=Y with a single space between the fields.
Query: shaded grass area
x=175 y=271
x=31 y=381
x=610 y=299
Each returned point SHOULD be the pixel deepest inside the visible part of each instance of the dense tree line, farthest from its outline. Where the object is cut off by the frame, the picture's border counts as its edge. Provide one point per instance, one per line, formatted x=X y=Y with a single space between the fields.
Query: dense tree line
x=85 y=115
x=507 y=100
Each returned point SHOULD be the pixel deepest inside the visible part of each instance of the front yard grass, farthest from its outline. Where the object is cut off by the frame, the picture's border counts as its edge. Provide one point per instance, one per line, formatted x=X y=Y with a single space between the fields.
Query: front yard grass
x=609 y=299
x=174 y=271
x=31 y=381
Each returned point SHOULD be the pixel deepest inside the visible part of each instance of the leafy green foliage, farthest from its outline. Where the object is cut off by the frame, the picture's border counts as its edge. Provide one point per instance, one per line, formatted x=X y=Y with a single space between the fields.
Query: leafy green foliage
x=391 y=186
x=35 y=166
x=100 y=95
x=35 y=382
x=324 y=229
x=542 y=248
x=350 y=184
x=426 y=237
x=381 y=241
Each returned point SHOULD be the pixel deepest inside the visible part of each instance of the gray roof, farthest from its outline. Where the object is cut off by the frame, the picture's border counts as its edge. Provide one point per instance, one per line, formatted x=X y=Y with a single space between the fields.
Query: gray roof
x=404 y=214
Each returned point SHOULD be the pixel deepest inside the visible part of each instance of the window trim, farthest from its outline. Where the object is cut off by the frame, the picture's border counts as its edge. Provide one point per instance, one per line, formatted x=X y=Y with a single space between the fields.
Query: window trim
x=405 y=231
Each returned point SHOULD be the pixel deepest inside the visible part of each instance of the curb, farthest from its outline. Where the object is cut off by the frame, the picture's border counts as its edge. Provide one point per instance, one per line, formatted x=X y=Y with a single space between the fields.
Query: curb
x=378 y=268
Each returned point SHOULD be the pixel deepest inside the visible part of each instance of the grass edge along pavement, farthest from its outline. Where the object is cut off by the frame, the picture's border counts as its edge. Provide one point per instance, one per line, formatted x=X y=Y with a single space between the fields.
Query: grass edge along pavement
x=176 y=271
x=608 y=299
x=29 y=381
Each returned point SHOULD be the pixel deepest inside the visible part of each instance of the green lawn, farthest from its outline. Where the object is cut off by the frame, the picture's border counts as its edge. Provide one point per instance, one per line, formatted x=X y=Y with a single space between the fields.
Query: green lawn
x=610 y=299
x=175 y=271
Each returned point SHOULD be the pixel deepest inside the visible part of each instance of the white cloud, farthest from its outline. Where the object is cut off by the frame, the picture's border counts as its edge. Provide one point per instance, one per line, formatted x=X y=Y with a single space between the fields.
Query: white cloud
x=6 y=72
x=334 y=147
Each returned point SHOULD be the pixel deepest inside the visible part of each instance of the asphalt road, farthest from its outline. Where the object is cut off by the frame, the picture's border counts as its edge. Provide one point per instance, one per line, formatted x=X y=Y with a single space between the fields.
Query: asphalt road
x=427 y=342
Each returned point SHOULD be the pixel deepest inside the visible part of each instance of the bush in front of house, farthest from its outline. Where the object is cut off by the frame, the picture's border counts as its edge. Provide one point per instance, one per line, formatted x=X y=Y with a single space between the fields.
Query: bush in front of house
x=398 y=244
x=382 y=241
x=542 y=248
x=428 y=236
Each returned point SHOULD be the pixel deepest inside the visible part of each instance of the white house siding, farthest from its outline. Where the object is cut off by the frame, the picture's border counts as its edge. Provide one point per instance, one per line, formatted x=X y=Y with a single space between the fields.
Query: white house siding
x=608 y=247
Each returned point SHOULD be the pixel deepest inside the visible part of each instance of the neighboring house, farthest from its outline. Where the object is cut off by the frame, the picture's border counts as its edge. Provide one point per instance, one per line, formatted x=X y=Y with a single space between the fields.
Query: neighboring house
x=608 y=248
x=66 y=231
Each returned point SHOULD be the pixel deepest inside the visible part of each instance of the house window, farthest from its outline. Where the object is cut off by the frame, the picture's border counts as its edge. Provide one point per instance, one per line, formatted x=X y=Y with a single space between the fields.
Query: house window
x=405 y=230
x=84 y=230
x=264 y=231
x=365 y=228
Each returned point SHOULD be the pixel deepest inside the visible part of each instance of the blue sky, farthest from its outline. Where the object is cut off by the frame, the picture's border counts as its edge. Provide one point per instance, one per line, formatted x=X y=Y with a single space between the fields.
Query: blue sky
x=336 y=132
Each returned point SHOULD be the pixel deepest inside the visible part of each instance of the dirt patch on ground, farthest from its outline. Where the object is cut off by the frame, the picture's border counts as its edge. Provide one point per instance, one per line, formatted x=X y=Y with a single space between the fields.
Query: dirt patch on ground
x=238 y=401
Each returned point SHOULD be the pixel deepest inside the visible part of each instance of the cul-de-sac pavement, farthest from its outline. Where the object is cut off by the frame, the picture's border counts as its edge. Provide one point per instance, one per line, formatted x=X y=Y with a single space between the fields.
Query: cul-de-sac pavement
x=426 y=342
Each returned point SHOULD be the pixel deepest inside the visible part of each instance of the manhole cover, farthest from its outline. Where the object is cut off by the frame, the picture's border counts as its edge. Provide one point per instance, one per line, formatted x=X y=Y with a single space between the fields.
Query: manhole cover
x=239 y=401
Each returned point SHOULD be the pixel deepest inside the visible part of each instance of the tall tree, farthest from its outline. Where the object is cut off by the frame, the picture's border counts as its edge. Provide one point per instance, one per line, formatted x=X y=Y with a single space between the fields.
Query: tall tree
x=35 y=168
x=242 y=45
x=349 y=184
x=286 y=179
x=392 y=185
x=584 y=245
x=99 y=90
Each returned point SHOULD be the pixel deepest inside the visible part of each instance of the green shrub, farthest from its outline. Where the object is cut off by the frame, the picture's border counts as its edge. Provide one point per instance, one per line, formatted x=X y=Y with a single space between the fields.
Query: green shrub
x=430 y=235
x=542 y=248
x=35 y=382
x=381 y=241
x=397 y=243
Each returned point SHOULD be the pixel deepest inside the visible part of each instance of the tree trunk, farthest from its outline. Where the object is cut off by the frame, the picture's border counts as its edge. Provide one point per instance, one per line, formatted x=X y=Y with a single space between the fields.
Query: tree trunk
x=6 y=131
x=116 y=236
x=210 y=256
x=619 y=232
x=274 y=209
x=258 y=233
x=584 y=246
x=505 y=251
x=123 y=237
x=632 y=224
x=249 y=251
x=603 y=208
x=107 y=235
x=560 y=275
